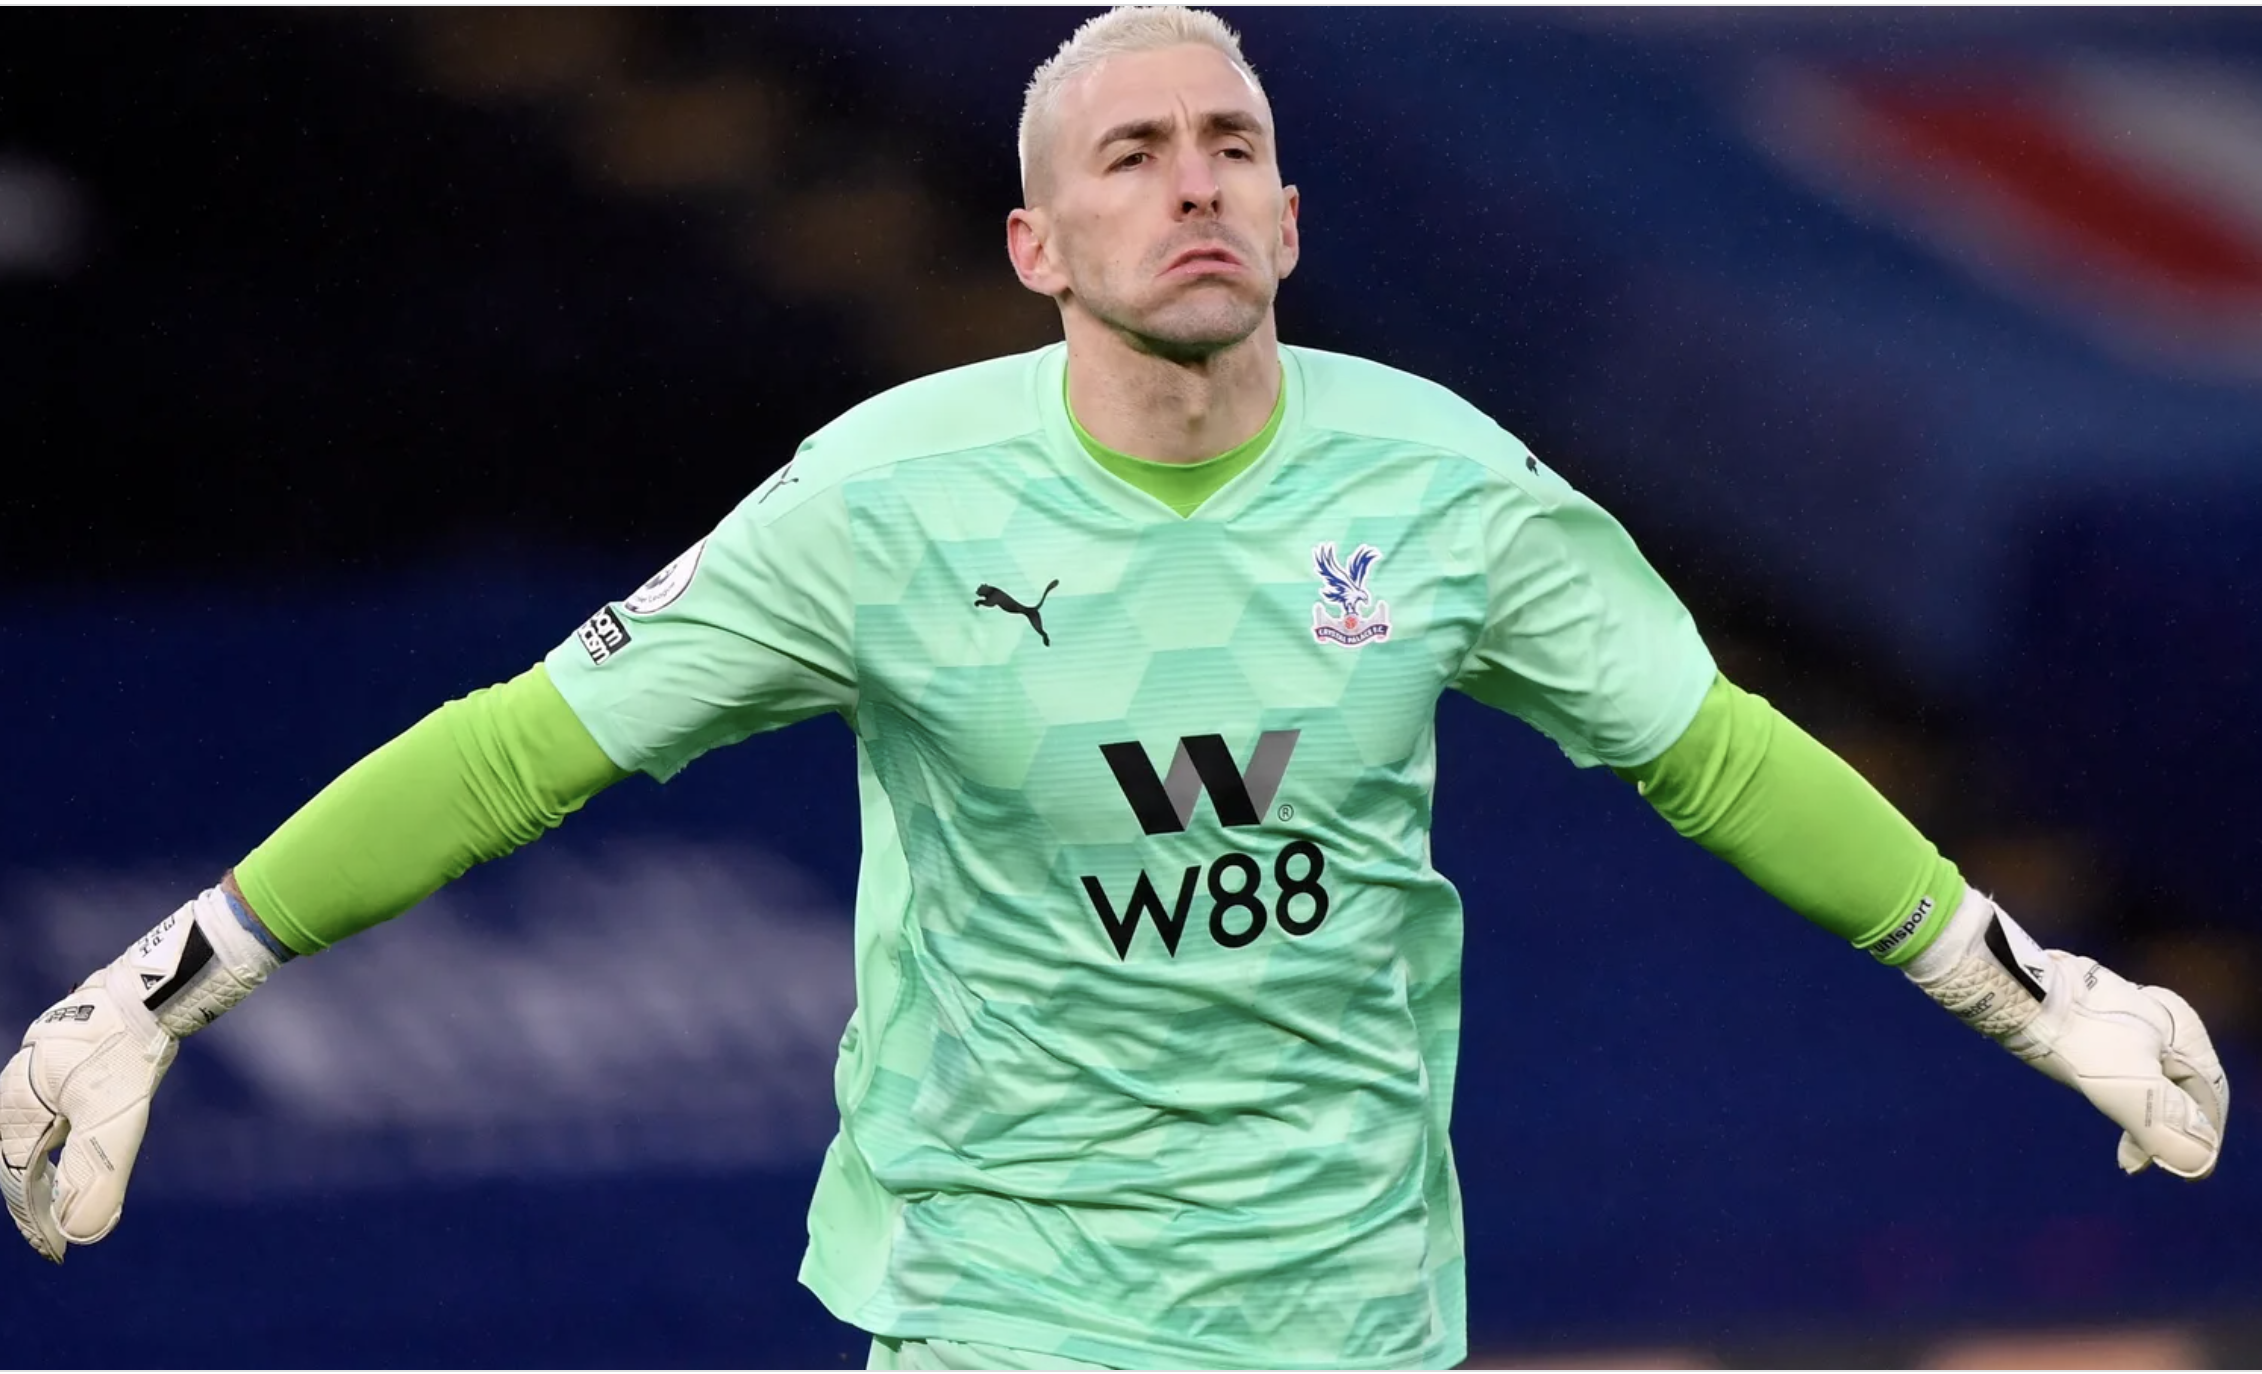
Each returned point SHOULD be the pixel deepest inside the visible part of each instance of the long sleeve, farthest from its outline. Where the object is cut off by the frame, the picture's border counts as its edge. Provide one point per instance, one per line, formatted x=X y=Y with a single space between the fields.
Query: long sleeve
x=474 y=780
x=1748 y=784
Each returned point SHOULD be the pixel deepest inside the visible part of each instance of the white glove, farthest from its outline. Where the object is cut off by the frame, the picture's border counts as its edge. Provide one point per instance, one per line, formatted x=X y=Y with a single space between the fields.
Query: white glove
x=2139 y=1054
x=88 y=1067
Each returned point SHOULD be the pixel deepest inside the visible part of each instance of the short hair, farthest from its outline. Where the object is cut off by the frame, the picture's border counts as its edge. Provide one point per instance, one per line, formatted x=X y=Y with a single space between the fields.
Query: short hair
x=1124 y=29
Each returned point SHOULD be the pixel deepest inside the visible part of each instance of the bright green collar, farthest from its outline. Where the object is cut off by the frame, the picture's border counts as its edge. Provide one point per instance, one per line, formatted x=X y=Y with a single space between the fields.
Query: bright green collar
x=1181 y=486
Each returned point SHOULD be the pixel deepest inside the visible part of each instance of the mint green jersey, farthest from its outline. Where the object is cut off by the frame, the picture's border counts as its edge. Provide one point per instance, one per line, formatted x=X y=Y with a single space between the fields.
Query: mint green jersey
x=1158 y=993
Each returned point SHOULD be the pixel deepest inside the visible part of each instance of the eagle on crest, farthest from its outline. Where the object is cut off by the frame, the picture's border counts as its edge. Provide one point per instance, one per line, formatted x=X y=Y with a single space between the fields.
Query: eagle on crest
x=1343 y=587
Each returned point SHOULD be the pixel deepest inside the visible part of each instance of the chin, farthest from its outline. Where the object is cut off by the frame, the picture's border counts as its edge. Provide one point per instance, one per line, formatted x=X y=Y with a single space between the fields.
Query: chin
x=1190 y=335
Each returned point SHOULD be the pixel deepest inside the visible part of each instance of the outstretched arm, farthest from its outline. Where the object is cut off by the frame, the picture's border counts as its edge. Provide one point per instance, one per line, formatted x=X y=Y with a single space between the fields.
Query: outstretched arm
x=1748 y=784
x=1583 y=640
x=1752 y=787
x=752 y=628
x=473 y=781
x=470 y=782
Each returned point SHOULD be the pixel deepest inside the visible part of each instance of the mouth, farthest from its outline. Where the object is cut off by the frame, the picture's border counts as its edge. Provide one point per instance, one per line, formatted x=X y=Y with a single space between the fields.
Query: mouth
x=1202 y=260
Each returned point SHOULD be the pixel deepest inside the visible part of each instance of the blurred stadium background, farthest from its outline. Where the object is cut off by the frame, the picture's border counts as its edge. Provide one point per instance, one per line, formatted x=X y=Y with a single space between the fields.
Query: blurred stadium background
x=348 y=358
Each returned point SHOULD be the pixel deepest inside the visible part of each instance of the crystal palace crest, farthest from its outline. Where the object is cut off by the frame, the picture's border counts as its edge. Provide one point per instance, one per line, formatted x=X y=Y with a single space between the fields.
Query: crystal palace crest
x=1347 y=613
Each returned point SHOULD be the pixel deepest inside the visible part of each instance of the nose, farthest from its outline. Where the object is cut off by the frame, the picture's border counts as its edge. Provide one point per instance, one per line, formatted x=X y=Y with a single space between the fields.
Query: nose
x=1194 y=180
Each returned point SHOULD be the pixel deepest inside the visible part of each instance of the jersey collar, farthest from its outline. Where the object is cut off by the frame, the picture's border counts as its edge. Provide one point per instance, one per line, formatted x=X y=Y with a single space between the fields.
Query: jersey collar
x=1135 y=487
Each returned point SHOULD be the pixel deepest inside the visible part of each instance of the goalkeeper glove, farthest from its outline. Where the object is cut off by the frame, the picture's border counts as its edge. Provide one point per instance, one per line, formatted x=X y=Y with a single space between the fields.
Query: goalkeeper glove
x=2139 y=1054
x=88 y=1066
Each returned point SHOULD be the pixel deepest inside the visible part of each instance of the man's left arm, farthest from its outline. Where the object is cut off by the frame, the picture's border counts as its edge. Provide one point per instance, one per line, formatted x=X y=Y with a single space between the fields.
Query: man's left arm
x=1583 y=640
x=1749 y=785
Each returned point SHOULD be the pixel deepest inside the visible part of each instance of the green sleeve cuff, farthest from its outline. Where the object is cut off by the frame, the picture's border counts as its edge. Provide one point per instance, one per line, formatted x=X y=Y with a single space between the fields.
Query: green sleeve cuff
x=1748 y=784
x=472 y=781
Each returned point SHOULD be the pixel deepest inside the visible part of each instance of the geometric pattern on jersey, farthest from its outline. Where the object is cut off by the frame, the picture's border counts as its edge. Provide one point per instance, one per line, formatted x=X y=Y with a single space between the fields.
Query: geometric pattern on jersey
x=1158 y=991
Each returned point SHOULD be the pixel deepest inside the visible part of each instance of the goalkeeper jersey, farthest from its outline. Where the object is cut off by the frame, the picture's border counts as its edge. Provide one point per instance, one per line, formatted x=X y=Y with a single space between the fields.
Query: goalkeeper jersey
x=1157 y=991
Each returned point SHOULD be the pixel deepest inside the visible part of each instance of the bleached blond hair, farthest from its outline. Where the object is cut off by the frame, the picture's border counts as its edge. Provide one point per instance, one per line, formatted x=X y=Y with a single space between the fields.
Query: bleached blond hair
x=1124 y=29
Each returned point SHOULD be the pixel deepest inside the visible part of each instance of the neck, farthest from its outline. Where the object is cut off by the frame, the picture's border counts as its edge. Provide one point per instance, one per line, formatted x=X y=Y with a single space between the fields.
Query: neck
x=1165 y=411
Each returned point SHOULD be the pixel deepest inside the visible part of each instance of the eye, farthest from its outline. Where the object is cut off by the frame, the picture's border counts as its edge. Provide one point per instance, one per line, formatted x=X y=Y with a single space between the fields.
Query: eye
x=1236 y=150
x=1128 y=160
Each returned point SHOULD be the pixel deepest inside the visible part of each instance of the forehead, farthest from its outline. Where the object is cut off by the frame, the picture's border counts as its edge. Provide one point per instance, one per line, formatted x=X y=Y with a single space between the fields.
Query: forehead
x=1160 y=84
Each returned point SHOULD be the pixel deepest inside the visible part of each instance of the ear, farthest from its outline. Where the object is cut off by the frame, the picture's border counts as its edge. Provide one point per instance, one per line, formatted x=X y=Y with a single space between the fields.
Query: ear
x=1028 y=242
x=1291 y=240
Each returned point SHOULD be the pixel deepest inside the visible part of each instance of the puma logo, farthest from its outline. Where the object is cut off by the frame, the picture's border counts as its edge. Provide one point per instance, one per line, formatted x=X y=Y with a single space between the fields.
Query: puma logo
x=987 y=595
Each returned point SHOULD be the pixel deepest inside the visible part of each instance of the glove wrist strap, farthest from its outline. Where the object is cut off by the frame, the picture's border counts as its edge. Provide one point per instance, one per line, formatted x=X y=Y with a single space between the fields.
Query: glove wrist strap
x=1984 y=969
x=192 y=966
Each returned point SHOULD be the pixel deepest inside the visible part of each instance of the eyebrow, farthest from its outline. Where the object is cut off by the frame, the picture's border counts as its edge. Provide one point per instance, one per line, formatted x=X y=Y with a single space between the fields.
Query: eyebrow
x=1215 y=122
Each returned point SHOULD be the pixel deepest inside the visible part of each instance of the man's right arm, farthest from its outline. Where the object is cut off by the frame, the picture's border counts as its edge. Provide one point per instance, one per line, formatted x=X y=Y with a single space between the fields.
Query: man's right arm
x=752 y=629
x=474 y=780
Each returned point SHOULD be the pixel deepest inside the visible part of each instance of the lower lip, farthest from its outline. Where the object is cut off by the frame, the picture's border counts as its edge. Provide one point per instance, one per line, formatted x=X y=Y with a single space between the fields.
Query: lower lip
x=1203 y=267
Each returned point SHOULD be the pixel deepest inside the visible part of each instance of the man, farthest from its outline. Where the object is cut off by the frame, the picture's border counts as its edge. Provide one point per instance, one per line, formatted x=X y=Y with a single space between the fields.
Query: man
x=1141 y=637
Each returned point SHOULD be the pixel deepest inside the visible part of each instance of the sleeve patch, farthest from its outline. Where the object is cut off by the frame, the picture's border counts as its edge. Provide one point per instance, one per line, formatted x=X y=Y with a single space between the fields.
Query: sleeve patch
x=666 y=585
x=602 y=635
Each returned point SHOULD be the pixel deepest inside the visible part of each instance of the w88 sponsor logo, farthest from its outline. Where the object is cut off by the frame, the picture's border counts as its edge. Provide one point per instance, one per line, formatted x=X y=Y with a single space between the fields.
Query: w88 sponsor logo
x=1239 y=911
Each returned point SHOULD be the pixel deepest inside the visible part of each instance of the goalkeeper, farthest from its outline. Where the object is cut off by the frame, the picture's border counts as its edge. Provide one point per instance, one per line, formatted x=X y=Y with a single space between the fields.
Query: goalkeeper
x=1141 y=637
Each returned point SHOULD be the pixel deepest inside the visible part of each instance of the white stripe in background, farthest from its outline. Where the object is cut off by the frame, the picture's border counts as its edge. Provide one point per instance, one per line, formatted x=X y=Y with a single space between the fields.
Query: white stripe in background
x=2142 y=126
x=2191 y=127
x=1815 y=126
